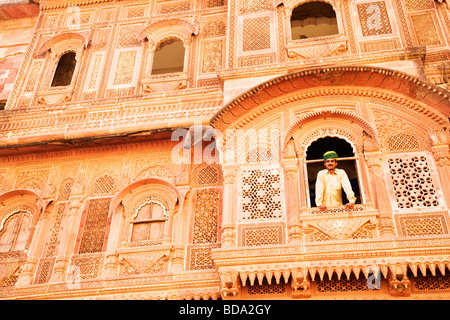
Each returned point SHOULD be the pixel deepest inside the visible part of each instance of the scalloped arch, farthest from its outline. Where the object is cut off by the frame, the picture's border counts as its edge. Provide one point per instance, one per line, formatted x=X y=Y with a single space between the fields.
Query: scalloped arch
x=336 y=114
x=312 y=132
x=138 y=190
x=21 y=199
x=70 y=39
x=431 y=101
x=170 y=28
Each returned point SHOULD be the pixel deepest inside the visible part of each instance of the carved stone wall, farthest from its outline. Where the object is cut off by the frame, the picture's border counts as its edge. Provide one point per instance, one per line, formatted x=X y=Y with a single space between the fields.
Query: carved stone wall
x=83 y=166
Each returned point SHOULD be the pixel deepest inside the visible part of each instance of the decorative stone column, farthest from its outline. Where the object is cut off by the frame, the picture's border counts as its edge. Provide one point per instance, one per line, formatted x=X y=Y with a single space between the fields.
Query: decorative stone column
x=67 y=240
x=26 y=276
x=291 y=186
x=179 y=228
x=380 y=195
x=114 y=242
x=229 y=206
x=111 y=265
x=177 y=231
x=441 y=154
x=35 y=250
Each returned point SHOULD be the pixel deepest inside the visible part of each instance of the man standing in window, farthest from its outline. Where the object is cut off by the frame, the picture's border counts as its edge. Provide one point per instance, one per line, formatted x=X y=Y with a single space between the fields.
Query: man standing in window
x=330 y=182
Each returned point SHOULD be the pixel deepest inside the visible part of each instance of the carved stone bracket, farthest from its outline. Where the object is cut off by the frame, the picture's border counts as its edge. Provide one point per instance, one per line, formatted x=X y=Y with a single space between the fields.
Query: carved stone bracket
x=340 y=226
x=165 y=83
x=252 y=270
x=55 y=95
x=144 y=260
x=317 y=47
x=229 y=283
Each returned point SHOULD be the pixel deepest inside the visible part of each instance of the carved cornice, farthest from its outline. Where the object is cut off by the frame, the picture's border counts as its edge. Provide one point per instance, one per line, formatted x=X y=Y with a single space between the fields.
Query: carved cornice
x=58 y=4
x=367 y=81
x=368 y=127
x=331 y=257
x=184 y=285
x=101 y=119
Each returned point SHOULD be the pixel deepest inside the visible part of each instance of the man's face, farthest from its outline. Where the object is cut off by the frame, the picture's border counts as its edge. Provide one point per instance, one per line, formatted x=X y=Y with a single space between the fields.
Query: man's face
x=330 y=164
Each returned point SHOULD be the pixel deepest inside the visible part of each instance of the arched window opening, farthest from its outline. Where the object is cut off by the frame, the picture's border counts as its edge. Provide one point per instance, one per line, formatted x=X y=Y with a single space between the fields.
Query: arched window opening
x=149 y=222
x=14 y=232
x=169 y=57
x=346 y=161
x=313 y=19
x=64 y=71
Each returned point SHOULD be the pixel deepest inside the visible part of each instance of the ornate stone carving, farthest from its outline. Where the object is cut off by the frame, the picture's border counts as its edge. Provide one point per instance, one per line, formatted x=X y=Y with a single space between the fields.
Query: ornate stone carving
x=340 y=226
x=316 y=48
x=164 y=83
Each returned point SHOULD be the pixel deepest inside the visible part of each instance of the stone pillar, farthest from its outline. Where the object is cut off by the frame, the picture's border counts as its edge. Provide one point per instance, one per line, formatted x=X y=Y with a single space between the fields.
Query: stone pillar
x=441 y=154
x=26 y=276
x=380 y=194
x=114 y=242
x=229 y=206
x=35 y=250
x=111 y=265
x=68 y=239
x=180 y=230
x=291 y=186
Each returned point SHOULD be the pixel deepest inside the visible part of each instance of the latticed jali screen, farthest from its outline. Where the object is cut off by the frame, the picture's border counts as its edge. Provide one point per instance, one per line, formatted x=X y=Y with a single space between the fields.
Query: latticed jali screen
x=261 y=194
x=206 y=219
x=334 y=285
x=424 y=224
x=44 y=270
x=430 y=284
x=413 y=184
x=95 y=226
x=208 y=175
x=269 y=291
x=85 y=266
x=104 y=185
x=403 y=142
x=206 y=216
x=199 y=256
x=261 y=234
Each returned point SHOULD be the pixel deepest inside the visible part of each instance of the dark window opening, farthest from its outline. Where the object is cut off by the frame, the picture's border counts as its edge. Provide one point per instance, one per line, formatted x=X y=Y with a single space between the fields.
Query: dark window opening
x=313 y=19
x=64 y=71
x=347 y=162
x=169 y=57
x=2 y=104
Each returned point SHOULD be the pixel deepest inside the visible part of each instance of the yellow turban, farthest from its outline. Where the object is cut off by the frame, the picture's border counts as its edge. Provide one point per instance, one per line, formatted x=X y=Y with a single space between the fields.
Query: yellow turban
x=330 y=155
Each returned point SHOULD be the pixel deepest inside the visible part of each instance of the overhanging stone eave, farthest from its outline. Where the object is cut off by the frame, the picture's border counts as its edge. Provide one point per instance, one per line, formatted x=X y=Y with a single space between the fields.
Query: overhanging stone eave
x=411 y=252
x=364 y=77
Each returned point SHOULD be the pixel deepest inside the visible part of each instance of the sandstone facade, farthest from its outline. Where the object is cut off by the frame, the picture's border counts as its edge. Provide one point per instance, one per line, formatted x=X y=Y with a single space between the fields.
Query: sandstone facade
x=168 y=149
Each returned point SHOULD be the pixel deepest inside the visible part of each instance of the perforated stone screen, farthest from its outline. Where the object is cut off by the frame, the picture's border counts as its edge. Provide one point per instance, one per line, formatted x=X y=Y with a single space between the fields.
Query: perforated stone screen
x=261 y=194
x=413 y=183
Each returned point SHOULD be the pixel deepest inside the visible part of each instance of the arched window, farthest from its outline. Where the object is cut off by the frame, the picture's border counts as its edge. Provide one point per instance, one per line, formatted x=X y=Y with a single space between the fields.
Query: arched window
x=169 y=57
x=313 y=19
x=149 y=222
x=346 y=161
x=14 y=231
x=64 y=70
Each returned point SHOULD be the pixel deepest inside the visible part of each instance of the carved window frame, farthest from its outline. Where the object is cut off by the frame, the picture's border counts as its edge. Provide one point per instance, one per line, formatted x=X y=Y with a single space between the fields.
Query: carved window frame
x=17 y=224
x=56 y=53
x=356 y=158
x=135 y=221
x=291 y=5
x=432 y=170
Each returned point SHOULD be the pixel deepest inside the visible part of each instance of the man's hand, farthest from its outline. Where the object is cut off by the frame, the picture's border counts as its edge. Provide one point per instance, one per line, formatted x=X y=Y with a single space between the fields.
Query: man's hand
x=322 y=207
x=350 y=205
